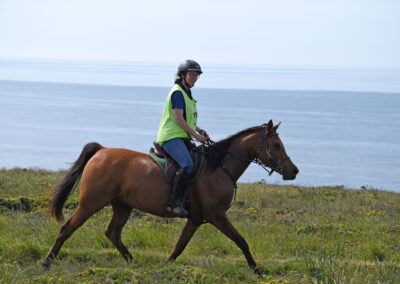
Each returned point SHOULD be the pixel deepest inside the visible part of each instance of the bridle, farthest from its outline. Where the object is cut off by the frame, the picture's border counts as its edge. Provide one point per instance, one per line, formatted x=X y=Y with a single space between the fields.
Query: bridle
x=277 y=165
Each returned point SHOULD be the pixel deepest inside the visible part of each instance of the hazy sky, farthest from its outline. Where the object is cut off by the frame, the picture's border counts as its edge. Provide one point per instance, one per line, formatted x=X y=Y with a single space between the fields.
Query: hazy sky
x=280 y=32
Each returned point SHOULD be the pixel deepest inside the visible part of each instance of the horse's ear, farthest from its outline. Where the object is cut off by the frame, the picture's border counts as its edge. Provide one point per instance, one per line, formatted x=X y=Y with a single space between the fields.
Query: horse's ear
x=277 y=125
x=270 y=126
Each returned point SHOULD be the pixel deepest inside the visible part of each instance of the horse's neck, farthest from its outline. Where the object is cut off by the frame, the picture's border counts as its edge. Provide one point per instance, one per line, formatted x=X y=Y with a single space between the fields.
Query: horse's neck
x=246 y=147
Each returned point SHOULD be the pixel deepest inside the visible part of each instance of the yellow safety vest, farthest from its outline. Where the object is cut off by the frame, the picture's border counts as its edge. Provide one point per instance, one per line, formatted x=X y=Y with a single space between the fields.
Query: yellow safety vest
x=169 y=128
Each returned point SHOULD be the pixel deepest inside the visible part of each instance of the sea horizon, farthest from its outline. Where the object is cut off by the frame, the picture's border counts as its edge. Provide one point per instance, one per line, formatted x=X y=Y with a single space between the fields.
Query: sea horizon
x=386 y=79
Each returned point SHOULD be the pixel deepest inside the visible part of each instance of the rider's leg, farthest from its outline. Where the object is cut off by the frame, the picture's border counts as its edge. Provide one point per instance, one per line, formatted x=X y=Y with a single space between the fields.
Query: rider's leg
x=179 y=185
x=176 y=148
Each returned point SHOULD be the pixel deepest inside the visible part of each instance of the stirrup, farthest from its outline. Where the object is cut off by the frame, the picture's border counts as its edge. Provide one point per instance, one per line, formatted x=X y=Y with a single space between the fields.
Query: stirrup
x=181 y=212
x=170 y=206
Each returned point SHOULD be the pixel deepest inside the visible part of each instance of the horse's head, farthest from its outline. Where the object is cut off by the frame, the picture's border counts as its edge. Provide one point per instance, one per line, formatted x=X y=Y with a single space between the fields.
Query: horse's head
x=273 y=155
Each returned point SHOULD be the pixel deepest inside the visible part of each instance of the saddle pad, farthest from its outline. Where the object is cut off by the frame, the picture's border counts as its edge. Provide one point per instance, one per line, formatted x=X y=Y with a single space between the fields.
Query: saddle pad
x=160 y=161
x=197 y=155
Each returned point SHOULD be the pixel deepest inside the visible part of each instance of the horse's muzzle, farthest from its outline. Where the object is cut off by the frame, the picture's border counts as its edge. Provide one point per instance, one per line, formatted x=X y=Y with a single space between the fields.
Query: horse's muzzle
x=290 y=174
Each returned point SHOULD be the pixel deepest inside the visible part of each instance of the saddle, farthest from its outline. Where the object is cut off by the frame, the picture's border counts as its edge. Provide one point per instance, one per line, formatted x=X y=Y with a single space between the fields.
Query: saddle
x=170 y=167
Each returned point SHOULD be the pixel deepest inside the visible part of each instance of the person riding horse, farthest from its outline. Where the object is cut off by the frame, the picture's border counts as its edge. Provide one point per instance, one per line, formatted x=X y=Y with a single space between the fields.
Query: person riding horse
x=179 y=122
x=128 y=179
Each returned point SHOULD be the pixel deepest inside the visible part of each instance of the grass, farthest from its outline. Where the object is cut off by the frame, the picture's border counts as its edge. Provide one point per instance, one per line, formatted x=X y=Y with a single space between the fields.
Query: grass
x=296 y=235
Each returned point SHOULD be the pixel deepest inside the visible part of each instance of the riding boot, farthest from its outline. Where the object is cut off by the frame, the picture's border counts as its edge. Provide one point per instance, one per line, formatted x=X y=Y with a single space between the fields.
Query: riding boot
x=175 y=204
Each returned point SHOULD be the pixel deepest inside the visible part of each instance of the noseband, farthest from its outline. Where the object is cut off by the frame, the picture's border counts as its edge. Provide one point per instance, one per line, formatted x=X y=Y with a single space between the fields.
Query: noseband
x=277 y=165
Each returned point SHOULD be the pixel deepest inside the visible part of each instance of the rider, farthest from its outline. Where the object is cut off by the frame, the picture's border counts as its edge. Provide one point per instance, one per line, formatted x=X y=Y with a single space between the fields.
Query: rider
x=178 y=122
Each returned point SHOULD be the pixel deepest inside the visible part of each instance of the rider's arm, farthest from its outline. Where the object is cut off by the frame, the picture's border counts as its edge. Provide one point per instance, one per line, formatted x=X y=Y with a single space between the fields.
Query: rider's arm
x=182 y=123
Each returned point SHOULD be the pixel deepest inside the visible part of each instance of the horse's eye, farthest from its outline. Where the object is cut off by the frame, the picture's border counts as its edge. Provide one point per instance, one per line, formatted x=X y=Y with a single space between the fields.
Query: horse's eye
x=277 y=146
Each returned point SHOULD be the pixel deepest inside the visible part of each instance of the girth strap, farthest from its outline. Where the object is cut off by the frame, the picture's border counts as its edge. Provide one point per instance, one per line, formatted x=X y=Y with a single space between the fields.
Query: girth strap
x=228 y=172
x=200 y=159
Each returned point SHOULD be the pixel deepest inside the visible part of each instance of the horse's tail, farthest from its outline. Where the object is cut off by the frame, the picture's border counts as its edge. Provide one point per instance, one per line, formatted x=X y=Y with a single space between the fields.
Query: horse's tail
x=64 y=189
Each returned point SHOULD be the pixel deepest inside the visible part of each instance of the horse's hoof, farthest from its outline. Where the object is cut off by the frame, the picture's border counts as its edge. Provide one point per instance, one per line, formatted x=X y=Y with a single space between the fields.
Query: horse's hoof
x=132 y=263
x=257 y=272
x=170 y=260
x=46 y=264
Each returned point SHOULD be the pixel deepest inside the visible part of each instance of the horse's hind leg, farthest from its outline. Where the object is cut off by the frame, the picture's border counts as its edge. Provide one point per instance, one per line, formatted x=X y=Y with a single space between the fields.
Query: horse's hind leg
x=77 y=219
x=187 y=233
x=121 y=214
x=226 y=227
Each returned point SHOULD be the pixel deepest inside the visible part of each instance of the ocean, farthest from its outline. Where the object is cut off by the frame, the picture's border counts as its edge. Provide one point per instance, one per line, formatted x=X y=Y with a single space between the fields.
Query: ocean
x=339 y=126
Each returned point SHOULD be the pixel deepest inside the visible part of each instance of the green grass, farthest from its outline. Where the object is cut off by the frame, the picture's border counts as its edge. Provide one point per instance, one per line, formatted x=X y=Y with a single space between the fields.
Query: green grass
x=296 y=235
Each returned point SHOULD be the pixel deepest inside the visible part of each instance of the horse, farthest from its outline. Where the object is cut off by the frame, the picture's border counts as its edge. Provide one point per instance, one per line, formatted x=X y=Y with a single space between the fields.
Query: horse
x=128 y=179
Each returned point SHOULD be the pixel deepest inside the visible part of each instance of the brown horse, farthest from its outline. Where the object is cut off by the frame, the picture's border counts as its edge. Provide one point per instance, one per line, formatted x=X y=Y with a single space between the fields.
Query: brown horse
x=128 y=179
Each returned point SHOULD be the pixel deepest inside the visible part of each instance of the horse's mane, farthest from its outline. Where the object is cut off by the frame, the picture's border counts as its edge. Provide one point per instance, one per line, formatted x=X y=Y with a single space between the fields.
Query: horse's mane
x=216 y=152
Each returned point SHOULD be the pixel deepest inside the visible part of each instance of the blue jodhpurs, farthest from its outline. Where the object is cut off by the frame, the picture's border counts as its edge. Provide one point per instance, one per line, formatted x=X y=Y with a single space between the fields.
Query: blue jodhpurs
x=176 y=148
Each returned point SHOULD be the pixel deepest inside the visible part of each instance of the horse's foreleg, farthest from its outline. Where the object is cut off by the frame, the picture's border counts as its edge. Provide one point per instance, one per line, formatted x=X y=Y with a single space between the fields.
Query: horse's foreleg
x=226 y=227
x=187 y=233
x=121 y=214
x=77 y=219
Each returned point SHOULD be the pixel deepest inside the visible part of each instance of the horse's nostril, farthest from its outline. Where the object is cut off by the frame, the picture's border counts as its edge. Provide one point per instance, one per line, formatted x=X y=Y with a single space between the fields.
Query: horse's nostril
x=296 y=171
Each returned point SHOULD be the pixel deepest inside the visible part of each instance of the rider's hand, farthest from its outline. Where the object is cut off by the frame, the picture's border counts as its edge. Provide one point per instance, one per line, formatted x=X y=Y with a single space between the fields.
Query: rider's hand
x=204 y=133
x=201 y=138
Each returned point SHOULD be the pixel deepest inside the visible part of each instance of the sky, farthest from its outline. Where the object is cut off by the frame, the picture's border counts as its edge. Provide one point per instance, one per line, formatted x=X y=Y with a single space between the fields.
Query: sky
x=356 y=33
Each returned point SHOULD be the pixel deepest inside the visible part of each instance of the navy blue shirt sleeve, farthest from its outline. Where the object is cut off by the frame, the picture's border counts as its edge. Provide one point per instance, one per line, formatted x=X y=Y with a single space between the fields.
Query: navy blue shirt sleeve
x=177 y=100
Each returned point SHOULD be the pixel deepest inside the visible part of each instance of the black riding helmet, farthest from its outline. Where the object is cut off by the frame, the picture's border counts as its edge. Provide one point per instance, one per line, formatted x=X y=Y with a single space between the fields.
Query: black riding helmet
x=189 y=65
